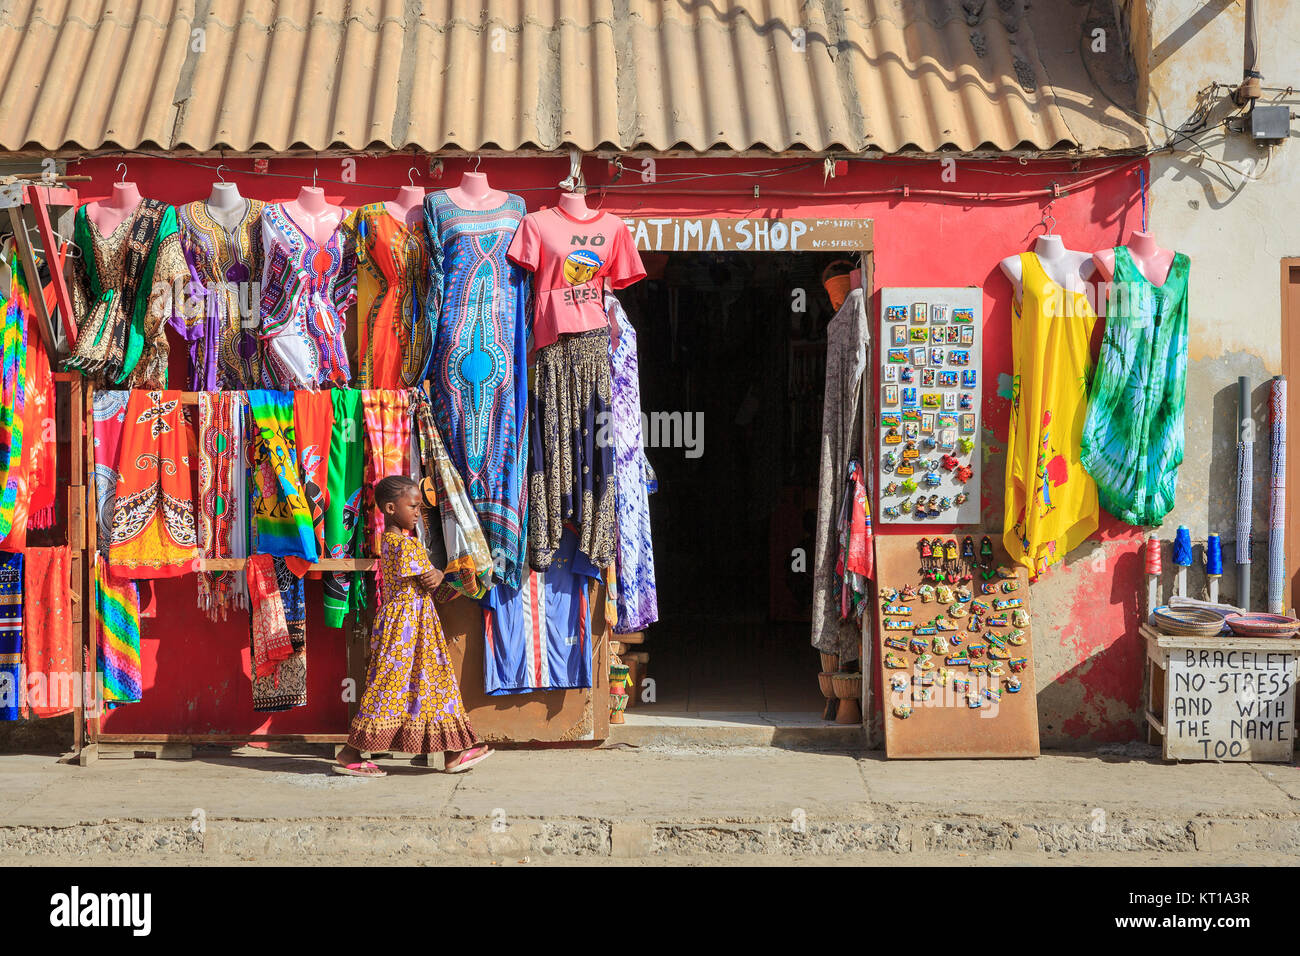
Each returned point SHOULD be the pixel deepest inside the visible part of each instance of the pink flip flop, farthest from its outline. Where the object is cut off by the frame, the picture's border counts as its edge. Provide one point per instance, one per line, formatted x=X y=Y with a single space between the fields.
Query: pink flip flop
x=356 y=769
x=465 y=763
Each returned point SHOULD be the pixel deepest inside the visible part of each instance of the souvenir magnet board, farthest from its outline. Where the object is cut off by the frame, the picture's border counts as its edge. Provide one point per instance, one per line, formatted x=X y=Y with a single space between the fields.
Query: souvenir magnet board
x=930 y=477
x=956 y=675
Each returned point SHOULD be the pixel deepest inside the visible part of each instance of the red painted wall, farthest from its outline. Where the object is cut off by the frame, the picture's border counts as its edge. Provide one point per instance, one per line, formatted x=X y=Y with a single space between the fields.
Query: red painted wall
x=195 y=673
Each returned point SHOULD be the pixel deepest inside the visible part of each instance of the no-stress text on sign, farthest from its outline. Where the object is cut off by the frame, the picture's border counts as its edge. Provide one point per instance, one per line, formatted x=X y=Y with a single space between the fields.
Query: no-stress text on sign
x=1230 y=704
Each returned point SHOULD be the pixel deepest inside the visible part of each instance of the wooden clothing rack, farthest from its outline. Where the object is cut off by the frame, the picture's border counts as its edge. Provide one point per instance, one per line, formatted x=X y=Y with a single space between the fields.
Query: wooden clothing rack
x=90 y=741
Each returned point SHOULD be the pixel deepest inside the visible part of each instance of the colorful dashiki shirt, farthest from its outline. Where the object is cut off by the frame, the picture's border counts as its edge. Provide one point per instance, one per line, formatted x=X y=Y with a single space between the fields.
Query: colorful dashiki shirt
x=638 y=602
x=222 y=302
x=847 y=339
x=123 y=295
x=11 y=636
x=392 y=282
x=539 y=637
x=306 y=292
x=153 y=516
x=478 y=370
x=412 y=702
x=1133 y=435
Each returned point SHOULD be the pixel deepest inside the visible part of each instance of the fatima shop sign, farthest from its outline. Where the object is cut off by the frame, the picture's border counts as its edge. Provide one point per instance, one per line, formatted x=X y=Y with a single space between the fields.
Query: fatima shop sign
x=713 y=234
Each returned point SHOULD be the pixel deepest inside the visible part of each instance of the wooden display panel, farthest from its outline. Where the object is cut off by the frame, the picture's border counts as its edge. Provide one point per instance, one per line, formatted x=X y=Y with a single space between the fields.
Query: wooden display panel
x=946 y=726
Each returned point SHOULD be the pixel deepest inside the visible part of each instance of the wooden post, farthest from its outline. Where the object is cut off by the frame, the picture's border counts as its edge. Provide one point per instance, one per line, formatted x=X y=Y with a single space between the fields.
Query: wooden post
x=61 y=296
x=33 y=276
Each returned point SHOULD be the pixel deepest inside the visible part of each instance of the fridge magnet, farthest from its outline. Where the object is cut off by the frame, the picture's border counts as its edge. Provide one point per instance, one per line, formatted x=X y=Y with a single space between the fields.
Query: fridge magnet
x=968 y=335
x=947 y=421
x=927 y=423
x=892 y=512
x=1019 y=618
x=925 y=662
x=947 y=379
x=927 y=377
x=909 y=401
x=938 y=313
x=896 y=313
x=1013 y=685
x=918 y=646
x=889 y=420
x=996 y=669
x=911 y=415
x=950 y=401
x=931 y=400
x=898 y=335
x=918 y=335
x=890 y=395
x=936 y=357
x=967 y=420
x=964 y=402
x=902 y=712
x=897 y=682
x=966 y=445
x=919 y=355
x=889 y=373
x=905 y=375
x=894 y=662
x=963 y=315
x=1009 y=586
x=1018 y=664
x=904 y=468
x=953 y=336
x=898 y=356
x=892 y=437
x=1017 y=637
x=897 y=610
x=909 y=432
x=959 y=357
x=920 y=312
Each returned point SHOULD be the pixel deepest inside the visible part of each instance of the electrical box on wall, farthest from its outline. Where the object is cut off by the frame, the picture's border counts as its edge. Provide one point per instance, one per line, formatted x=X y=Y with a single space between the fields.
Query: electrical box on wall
x=1270 y=123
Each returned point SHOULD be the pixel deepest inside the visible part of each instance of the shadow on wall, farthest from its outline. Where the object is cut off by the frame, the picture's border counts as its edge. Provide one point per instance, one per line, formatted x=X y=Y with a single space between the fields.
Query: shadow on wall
x=1099 y=699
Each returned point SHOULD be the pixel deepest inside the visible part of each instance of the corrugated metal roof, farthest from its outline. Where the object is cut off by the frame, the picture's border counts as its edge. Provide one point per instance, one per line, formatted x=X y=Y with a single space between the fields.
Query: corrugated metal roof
x=767 y=75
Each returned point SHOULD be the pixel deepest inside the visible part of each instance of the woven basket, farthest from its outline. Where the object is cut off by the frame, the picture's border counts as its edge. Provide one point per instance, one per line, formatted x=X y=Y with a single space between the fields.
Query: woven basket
x=1263 y=625
x=1188 y=621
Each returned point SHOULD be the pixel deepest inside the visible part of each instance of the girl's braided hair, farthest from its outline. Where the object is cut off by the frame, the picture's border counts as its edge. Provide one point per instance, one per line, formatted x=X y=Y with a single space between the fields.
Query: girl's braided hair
x=392 y=488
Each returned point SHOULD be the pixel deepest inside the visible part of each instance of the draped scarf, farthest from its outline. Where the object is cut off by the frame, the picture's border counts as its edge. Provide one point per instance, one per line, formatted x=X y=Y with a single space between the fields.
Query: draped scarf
x=153 y=534
x=48 y=643
x=388 y=433
x=39 y=428
x=279 y=618
x=223 y=499
x=461 y=550
x=313 y=422
x=11 y=636
x=282 y=515
x=117 y=606
x=109 y=412
x=271 y=643
x=343 y=502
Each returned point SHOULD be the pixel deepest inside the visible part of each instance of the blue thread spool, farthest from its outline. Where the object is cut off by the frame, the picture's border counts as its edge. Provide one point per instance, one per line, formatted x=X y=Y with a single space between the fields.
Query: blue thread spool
x=1213 y=555
x=1183 y=547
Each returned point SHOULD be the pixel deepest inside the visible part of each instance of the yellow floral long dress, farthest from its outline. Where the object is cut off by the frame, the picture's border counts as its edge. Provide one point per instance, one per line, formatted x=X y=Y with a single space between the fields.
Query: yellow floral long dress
x=1051 y=502
x=412 y=702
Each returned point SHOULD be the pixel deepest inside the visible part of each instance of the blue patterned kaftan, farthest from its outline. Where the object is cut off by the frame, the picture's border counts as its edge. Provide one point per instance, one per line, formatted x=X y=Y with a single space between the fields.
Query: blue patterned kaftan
x=478 y=368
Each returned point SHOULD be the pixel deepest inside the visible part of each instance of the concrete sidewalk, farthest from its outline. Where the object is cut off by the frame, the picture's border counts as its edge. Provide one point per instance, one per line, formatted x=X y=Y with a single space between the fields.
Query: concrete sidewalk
x=721 y=804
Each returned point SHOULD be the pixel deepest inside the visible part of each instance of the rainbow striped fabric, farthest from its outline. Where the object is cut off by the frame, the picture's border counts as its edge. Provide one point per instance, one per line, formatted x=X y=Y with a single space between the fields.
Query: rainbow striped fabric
x=117 y=605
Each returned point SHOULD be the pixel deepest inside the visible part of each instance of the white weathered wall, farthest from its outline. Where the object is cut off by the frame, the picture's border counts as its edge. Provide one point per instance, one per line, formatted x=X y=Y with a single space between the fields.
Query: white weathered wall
x=1235 y=229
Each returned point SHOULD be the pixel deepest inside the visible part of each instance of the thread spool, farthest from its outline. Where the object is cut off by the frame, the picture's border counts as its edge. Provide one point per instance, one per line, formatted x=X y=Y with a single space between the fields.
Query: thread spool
x=1182 y=558
x=1213 y=565
x=1153 y=573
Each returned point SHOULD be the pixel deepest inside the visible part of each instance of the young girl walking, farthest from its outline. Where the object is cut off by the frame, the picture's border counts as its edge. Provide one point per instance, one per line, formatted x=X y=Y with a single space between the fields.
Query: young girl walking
x=412 y=702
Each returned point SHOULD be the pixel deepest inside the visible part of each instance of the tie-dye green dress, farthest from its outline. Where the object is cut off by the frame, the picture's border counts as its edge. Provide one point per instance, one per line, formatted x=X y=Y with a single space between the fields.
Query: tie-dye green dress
x=1133 y=435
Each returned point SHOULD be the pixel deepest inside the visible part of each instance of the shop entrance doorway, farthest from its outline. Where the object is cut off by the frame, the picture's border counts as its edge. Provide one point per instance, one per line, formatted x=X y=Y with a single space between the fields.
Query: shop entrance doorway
x=732 y=352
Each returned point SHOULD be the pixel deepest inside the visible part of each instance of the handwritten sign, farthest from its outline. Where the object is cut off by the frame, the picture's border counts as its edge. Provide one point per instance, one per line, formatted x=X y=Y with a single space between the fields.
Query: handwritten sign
x=1230 y=704
x=711 y=234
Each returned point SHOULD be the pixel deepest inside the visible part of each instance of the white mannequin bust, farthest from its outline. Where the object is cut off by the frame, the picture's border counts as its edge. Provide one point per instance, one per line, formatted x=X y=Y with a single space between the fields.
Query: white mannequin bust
x=317 y=218
x=1068 y=268
x=475 y=192
x=226 y=206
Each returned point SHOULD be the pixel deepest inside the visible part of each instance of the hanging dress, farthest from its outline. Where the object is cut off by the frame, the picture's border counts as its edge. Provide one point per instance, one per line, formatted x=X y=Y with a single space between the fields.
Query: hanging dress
x=123 y=296
x=1133 y=435
x=847 y=339
x=1051 y=502
x=638 y=602
x=306 y=291
x=392 y=281
x=478 y=370
x=224 y=266
x=13 y=412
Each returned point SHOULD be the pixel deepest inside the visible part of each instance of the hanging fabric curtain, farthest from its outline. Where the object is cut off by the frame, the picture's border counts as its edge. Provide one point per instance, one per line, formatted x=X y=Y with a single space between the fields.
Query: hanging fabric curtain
x=11 y=636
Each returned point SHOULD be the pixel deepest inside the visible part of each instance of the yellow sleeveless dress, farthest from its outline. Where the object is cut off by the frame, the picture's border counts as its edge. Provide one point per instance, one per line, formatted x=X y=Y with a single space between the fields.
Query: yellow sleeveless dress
x=1051 y=502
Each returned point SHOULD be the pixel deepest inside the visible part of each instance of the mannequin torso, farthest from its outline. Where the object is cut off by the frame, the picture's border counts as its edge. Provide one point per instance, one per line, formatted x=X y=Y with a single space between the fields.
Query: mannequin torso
x=576 y=206
x=474 y=192
x=313 y=215
x=109 y=213
x=226 y=206
x=1066 y=267
x=408 y=207
x=1152 y=261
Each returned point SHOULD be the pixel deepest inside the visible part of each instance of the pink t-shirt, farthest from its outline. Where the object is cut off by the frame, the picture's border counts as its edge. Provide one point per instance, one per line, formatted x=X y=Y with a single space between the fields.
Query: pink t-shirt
x=571 y=260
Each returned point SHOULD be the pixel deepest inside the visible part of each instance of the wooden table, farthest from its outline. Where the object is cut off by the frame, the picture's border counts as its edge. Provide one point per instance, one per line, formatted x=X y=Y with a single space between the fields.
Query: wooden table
x=1221 y=698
